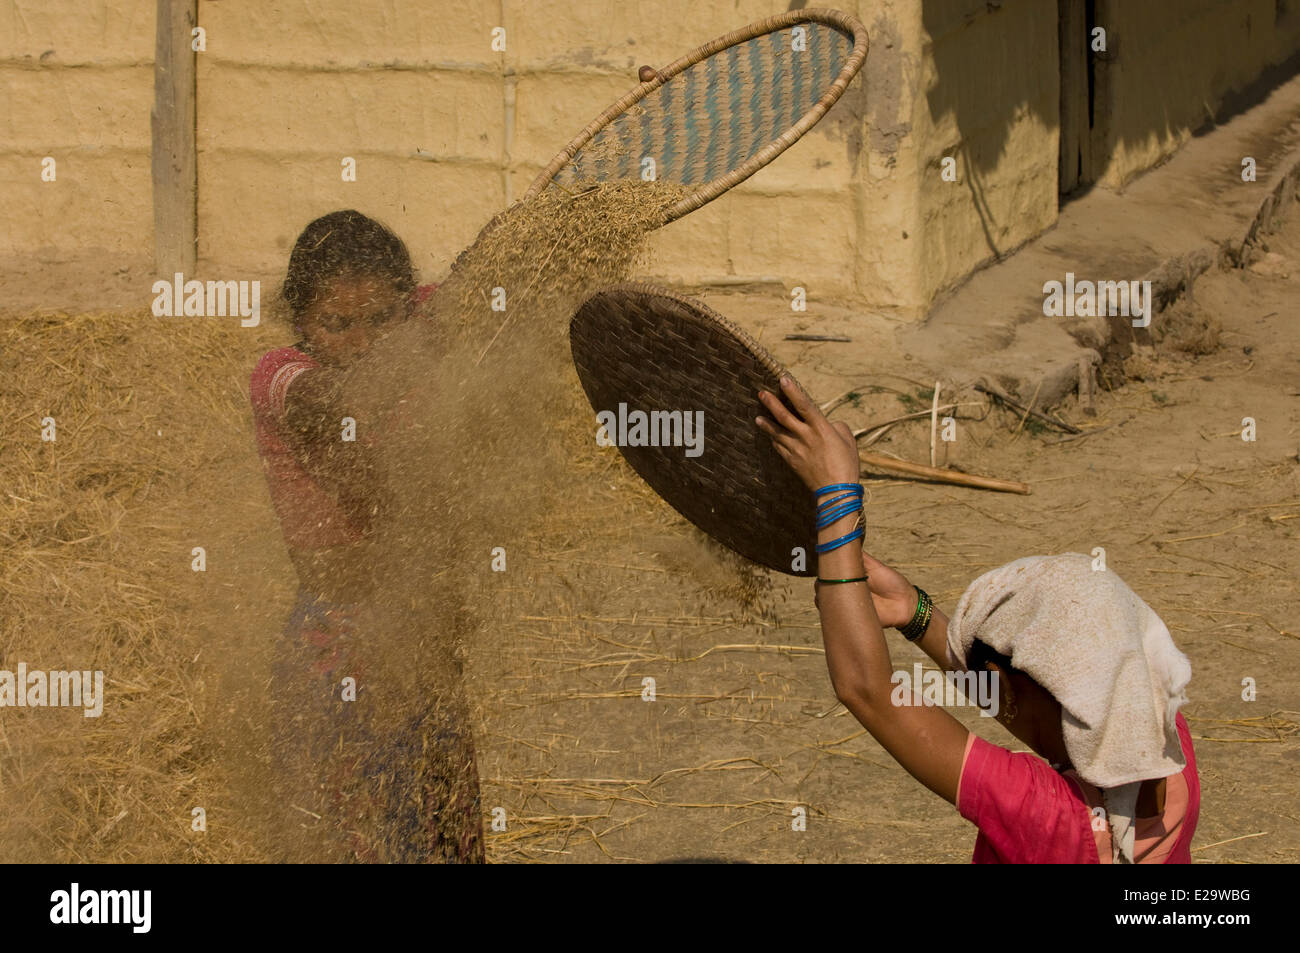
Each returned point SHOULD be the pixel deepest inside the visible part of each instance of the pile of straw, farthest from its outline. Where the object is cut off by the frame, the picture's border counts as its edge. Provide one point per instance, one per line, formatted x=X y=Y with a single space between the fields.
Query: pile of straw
x=154 y=456
x=96 y=529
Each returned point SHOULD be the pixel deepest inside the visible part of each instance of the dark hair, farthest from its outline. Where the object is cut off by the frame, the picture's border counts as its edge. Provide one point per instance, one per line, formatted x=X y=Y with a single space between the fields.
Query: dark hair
x=341 y=244
x=980 y=655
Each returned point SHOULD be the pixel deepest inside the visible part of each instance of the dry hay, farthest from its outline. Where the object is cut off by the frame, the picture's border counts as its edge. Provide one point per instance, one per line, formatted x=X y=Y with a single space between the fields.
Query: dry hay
x=497 y=416
x=1188 y=328
x=551 y=253
x=488 y=396
x=96 y=529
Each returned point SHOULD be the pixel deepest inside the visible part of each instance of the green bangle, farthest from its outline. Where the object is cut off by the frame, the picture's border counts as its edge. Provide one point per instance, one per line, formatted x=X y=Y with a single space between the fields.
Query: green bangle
x=921 y=618
x=836 y=582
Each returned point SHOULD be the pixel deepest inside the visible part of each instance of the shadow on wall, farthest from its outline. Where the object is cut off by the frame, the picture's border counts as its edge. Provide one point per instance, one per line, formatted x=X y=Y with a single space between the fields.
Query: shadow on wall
x=1239 y=101
x=1170 y=70
x=992 y=66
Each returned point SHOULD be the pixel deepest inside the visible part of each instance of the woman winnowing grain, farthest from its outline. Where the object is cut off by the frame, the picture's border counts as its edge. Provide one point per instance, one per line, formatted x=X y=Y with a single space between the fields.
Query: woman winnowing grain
x=1085 y=673
x=409 y=794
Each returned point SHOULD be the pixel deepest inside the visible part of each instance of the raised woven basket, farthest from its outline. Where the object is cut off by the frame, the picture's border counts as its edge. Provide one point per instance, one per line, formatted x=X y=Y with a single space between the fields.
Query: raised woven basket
x=714 y=117
x=655 y=350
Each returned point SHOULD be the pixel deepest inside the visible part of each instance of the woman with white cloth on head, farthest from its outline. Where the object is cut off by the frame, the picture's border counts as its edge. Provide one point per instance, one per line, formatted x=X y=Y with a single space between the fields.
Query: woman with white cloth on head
x=1086 y=675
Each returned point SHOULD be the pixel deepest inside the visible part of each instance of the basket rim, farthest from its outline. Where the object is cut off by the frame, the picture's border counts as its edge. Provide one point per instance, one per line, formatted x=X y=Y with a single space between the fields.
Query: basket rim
x=710 y=190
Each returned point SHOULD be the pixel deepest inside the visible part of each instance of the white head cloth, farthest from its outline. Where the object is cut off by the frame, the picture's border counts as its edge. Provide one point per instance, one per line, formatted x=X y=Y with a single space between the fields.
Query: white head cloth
x=1090 y=641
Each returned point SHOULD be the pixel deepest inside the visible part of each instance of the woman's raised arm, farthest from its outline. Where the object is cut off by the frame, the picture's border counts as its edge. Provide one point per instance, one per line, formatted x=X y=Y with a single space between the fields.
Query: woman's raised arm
x=926 y=740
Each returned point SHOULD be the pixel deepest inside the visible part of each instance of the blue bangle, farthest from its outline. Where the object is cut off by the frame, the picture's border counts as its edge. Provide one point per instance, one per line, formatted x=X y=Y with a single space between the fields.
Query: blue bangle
x=834 y=544
x=832 y=516
x=823 y=524
x=839 y=499
x=844 y=501
x=823 y=548
x=835 y=487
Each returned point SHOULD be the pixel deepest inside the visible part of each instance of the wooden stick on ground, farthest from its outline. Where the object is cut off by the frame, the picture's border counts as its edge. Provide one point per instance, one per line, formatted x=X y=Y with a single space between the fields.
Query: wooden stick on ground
x=884 y=424
x=934 y=420
x=844 y=397
x=1078 y=436
x=864 y=388
x=1086 y=387
x=941 y=476
x=985 y=388
x=834 y=402
x=897 y=420
x=876 y=434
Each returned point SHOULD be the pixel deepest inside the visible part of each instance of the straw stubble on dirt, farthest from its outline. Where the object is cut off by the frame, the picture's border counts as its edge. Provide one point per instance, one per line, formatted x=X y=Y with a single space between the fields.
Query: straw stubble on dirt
x=608 y=588
x=154 y=456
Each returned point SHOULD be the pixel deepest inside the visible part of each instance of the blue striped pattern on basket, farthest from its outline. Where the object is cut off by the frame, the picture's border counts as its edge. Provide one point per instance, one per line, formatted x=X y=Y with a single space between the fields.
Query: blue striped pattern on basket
x=715 y=114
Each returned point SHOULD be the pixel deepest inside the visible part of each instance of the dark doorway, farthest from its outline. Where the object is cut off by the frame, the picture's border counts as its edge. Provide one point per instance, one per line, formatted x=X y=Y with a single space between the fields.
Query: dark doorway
x=1080 y=88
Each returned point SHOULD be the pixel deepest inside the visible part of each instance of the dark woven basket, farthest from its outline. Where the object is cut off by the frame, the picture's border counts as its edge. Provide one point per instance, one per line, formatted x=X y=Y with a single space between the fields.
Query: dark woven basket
x=654 y=350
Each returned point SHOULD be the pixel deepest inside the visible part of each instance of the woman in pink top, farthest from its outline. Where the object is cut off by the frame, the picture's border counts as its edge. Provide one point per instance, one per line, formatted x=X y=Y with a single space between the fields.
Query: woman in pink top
x=1111 y=713
x=410 y=795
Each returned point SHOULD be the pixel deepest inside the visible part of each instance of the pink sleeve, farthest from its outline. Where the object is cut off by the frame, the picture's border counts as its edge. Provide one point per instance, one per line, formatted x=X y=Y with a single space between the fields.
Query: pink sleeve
x=310 y=515
x=272 y=377
x=1026 y=812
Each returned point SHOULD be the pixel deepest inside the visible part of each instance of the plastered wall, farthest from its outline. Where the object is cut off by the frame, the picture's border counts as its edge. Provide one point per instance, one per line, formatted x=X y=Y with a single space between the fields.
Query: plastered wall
x=988 y=98
x=446 y=131
x=1175 y=64
x=76 y=85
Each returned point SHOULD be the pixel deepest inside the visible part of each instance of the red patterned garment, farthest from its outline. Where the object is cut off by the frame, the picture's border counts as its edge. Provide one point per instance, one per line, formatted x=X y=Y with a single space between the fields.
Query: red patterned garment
x=310 y=516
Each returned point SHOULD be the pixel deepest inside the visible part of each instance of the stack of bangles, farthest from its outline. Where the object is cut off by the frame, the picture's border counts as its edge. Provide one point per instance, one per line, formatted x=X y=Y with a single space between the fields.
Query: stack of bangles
x=920 y=618
x=845 y=500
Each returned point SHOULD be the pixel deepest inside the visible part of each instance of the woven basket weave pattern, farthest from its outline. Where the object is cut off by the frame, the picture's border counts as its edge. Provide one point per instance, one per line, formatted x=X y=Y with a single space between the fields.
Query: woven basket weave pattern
x=717 y=114
x=654 y=350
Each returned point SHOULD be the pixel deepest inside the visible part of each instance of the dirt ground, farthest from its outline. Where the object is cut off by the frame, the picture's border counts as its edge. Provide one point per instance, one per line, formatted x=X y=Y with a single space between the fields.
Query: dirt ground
x=617 y=588
x=745 y=728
